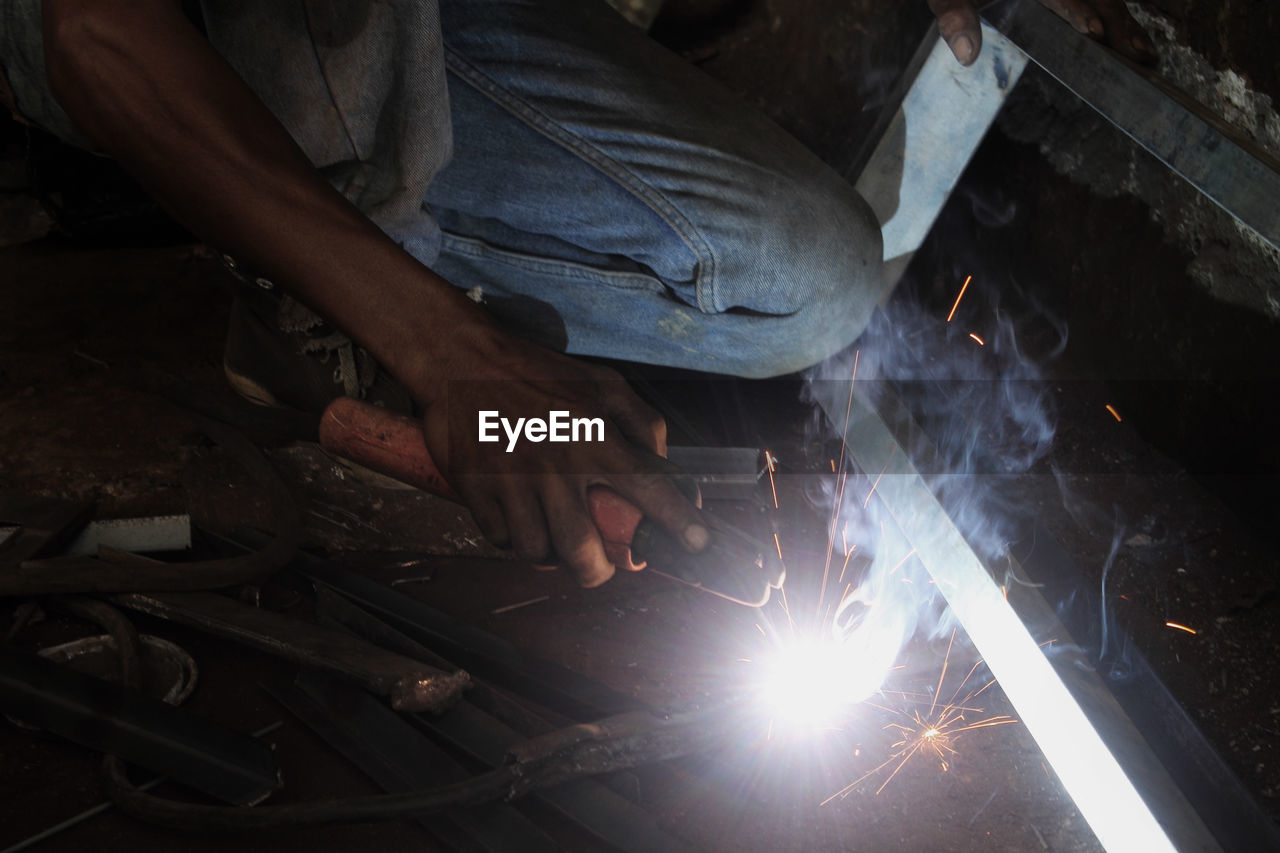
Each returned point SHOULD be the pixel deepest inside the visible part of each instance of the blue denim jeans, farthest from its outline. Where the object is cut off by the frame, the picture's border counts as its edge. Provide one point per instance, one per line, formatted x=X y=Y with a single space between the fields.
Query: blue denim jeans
x=606 y=197
x=613 y=200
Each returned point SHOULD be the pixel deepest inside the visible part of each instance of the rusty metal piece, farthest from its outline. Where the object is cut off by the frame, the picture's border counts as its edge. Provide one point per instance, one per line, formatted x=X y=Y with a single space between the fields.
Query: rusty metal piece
x=408 y=684
x=169 y=673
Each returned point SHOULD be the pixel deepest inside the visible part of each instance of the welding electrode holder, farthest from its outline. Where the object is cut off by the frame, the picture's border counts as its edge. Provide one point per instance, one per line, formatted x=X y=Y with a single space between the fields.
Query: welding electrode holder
x=733 y=565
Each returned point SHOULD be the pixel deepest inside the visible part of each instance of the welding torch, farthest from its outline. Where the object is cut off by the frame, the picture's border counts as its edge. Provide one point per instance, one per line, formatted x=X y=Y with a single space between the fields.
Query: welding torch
x=734 y=565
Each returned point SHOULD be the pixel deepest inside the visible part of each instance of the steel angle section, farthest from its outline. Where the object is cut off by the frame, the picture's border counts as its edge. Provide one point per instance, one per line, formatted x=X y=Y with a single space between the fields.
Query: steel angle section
x=1219 y=161
x=926 y=136
x=1090 y=773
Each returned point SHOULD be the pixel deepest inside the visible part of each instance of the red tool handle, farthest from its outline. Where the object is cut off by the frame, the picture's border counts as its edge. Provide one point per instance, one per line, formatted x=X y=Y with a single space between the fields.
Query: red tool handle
x=392 y=444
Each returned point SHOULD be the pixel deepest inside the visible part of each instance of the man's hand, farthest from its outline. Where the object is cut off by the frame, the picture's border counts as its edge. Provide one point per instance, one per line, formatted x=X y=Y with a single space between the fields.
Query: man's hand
x=1107 y=21
x=149 y=90
x=534 y=498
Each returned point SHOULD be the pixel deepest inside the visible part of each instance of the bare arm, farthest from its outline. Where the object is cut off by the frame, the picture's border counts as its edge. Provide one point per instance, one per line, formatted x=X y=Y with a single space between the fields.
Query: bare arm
x=150 y=91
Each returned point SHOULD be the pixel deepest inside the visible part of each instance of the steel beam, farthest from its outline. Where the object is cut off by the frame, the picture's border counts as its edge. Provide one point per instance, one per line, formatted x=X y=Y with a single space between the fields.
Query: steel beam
x=1090 y=773
x=1221 y=162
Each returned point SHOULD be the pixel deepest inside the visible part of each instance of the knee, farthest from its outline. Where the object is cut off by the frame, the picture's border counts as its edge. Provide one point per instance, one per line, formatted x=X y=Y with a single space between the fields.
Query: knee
x=812 y=278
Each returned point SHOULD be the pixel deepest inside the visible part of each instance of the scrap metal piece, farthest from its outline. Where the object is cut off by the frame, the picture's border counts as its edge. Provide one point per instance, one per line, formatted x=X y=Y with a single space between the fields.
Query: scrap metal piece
x=232 y=767
x=408 y=684
x=1221 y=162
x=136 y=535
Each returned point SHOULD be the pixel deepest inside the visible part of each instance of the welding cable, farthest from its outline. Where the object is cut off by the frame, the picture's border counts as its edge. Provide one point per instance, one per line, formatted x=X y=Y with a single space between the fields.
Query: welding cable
x=119 y=571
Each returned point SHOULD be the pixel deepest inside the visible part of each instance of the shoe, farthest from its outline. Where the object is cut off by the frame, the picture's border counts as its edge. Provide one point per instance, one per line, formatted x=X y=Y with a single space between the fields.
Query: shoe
x=280 y=354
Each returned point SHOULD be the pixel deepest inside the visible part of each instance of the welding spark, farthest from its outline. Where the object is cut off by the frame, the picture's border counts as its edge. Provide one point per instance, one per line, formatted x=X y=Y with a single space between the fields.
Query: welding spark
x=932 y=733
x=979 y=340
x=770 y=462
x=1114 y=413
x=963 y=288
x=1179 y=627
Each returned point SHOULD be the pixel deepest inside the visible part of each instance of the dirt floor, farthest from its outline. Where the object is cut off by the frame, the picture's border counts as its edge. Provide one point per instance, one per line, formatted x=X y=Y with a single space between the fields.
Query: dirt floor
x=1176 y=502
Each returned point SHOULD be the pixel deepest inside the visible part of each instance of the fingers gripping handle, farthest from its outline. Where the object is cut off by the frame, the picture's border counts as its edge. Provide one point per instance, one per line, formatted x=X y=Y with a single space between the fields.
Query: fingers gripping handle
x=392 y=444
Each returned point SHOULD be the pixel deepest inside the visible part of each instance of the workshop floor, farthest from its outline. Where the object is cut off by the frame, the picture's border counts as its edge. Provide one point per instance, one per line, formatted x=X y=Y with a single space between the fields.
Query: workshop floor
x=1199 y=550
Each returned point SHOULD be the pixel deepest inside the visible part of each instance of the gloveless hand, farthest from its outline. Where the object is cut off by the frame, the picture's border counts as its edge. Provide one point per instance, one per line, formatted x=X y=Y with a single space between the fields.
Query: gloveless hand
x=533 y=499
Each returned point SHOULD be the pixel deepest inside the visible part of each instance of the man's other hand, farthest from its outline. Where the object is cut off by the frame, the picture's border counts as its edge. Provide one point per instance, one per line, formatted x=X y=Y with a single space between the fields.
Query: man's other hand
x=1107 y=21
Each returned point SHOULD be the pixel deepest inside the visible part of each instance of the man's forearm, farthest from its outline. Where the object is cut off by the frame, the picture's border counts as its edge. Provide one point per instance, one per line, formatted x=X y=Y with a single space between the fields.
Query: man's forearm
x=151 y=92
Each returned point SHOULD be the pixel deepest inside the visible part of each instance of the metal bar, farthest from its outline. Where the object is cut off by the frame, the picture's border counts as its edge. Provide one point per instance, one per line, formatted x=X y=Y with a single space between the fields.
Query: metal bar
x=1219 y=161
x=399 y=759
x=926 y=137
x=408 y=684
x=1227 y=808
x=1089 y=772
x=232 y=767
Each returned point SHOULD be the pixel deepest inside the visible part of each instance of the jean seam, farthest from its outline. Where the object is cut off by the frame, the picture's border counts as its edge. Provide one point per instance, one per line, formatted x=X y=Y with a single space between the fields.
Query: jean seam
x=328 y=86
x=476 y=248
x=655 y=201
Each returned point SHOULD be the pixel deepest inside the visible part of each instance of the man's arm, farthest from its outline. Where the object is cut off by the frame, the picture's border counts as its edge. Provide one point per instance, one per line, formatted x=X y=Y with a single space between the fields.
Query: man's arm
x=151 y=92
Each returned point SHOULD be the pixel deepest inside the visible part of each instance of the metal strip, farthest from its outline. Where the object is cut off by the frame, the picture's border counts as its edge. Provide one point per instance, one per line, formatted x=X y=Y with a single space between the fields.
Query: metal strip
x=923 y=144
x=136 y=535
x=1227 y=808
x=1090 y=773
x=1219 y=161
